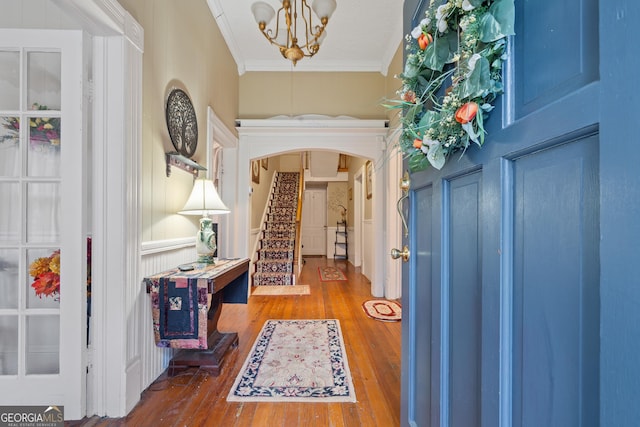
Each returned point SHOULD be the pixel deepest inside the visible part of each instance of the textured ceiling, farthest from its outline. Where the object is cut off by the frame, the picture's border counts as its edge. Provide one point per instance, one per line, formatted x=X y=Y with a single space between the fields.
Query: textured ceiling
x=362 y=35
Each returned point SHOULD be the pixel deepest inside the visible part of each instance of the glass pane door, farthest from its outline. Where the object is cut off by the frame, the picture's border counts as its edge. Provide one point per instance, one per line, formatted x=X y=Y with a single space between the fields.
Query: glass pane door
x=30 y=149
x=42 y=243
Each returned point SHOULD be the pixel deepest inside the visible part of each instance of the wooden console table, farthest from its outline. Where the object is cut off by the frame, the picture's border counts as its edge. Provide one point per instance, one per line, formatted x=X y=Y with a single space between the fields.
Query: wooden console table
x=225 y=282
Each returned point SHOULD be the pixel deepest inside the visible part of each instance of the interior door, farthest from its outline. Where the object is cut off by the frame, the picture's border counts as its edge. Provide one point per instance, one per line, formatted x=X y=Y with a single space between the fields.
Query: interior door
x=314 y=222
x=43 y=255
x=501 y=291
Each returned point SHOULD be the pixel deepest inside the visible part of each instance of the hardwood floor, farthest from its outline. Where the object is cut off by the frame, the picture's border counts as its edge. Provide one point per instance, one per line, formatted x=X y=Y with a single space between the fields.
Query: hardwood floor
x=195 y=398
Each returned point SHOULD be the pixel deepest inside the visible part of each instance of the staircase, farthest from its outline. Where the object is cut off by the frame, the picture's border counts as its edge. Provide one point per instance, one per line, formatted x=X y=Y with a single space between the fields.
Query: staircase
x=276 y=248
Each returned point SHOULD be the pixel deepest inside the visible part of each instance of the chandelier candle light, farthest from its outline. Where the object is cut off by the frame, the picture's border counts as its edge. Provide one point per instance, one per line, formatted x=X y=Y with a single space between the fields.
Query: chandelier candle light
x=204 y=200
x=292 y=13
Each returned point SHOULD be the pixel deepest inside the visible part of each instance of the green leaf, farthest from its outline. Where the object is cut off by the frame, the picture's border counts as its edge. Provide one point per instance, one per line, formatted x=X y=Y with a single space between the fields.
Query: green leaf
x=441 y=51
x=498 y=22
x=436 y=156
x=480 y=123
x=468 y=127
x=430 y=117
x=478 y=81
x=411 y=112
x=418 y=161
x=411 y=69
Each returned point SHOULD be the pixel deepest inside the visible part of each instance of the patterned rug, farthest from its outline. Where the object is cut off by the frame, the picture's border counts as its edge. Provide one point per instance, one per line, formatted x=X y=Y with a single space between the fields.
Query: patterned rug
x=296 y=361
x=329 y=274
x=281 y=290
x=385 y=310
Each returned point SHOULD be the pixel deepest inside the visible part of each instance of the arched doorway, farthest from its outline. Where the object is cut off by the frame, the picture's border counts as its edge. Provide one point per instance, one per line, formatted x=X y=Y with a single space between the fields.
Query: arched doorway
x=260 y=138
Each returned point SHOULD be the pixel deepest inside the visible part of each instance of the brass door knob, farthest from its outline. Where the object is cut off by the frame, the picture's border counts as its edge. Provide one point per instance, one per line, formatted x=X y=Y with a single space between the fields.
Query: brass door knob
x=404 y=254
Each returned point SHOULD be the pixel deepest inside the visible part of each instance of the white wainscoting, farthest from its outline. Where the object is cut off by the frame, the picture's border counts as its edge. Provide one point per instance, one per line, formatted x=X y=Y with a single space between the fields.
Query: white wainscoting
x=352 y=244
x=158 y=256
x=367 y=248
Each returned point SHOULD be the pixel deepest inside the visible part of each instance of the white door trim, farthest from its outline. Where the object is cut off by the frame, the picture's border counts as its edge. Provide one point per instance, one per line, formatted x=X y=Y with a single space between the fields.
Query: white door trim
x=357 y=216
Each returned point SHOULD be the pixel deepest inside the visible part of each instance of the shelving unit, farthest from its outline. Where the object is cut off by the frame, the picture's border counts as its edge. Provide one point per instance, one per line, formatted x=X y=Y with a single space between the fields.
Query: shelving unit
x=341 y=245
x=179 y=161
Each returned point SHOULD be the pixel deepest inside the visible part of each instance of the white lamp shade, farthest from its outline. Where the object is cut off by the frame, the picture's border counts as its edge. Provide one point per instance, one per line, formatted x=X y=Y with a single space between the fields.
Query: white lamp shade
x=262 y=12
x=204 y=200
x=324 y=8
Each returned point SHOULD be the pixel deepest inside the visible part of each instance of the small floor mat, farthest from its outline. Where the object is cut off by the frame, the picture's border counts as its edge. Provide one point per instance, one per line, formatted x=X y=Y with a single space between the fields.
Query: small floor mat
x=329 y=274
x=382 y=309
x=282 y=290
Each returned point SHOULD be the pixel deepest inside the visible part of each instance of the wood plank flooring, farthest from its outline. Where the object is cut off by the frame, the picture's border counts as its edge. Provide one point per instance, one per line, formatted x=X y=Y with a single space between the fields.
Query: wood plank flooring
x=194 y=398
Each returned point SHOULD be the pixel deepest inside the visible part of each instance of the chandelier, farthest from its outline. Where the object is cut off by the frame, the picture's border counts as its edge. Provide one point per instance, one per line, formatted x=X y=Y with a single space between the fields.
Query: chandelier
x=293 y=14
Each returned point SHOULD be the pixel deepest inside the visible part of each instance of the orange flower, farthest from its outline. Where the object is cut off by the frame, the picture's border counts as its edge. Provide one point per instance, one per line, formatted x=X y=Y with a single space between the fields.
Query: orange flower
x=39 y=266
x=424 y=40
x=54 y=262
x=417 y=143
x=409 y=96
x=46 y=284
x=467 y=112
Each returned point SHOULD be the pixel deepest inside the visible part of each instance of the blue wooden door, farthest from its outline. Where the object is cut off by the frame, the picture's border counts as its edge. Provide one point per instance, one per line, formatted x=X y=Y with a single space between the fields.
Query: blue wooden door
x=511 y=289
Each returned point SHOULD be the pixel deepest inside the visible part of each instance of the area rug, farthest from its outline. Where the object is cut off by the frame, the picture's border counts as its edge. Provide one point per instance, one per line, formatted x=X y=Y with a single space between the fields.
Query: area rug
x=329 y=274
x=282 y=290
x=296 y=361
x=381 y=309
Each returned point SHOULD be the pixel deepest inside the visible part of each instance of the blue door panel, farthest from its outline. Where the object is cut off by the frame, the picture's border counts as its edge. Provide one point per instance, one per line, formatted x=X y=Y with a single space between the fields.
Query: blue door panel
x=555 y=286
x=462 y=321
x=555 y=51
x=417 y=299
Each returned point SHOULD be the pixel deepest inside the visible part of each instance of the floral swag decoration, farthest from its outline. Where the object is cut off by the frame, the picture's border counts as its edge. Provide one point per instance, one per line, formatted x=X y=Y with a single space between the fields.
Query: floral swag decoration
x=461 y=43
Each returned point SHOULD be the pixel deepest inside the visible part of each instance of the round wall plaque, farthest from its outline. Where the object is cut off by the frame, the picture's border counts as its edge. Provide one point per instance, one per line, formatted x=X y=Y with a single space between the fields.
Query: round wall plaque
x=182 y=123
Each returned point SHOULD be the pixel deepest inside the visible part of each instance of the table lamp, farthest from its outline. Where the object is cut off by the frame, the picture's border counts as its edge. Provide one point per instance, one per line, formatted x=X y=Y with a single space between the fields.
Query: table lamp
x=204 y=200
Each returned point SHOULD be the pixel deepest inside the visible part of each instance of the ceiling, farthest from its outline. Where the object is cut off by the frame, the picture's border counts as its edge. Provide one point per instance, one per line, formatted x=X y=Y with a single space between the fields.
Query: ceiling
x=362 y=35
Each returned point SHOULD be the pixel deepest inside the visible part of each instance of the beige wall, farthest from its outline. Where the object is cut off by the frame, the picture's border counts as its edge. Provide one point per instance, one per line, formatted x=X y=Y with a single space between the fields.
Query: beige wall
x=182 y=48
x=289 y=162
x=336 y=195
x=268 y=94
x=393 y=84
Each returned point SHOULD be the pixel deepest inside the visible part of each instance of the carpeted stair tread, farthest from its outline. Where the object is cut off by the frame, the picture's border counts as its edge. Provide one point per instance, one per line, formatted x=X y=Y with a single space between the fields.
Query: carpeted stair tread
x=279 y=226
x=282 y=210
x=277 y=244
x=284 y=218
x=275 y=254
x=274 y=266
x=279 y=234
x=270 y=279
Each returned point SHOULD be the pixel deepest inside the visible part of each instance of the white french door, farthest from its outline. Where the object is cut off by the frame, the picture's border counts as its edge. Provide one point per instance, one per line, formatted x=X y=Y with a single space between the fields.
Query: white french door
x=43 y=220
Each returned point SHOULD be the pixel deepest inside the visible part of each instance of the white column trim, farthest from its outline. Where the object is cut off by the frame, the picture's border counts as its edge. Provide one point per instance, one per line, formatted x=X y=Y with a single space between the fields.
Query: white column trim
x=113 y=384
x=217 y=131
